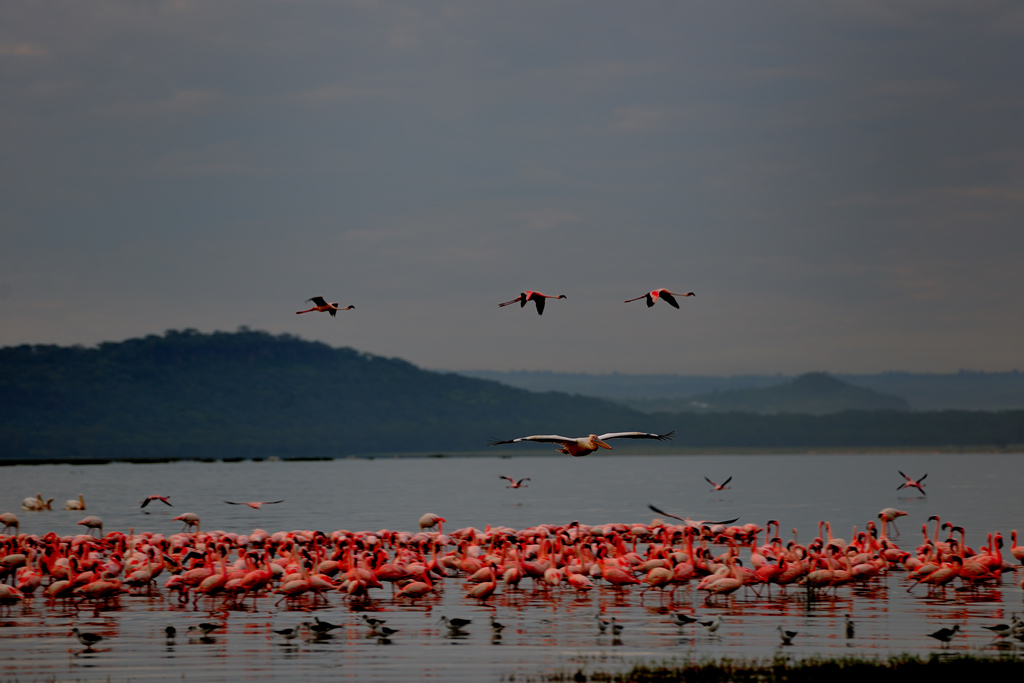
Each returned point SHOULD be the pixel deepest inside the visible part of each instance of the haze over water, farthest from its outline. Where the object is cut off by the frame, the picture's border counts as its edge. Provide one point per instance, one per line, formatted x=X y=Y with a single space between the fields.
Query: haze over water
x=543 y=636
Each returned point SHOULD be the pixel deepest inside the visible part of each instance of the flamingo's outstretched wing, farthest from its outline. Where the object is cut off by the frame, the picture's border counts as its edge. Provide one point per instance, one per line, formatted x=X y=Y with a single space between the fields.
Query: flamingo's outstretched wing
x=688 y=521
x=669 y=299
x=540 y=301
x=318 y=300
x=636 y=435
x=520 y=298
x=726 y=482
x=540 y=438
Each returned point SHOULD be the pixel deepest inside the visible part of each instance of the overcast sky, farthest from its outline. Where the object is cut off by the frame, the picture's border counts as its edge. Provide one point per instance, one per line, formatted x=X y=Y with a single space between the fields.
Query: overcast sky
x=840 y=183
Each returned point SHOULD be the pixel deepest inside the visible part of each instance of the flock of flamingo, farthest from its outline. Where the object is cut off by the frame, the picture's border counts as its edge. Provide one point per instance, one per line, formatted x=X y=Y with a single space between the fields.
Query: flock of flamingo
x=387 y=569
x=375 y=571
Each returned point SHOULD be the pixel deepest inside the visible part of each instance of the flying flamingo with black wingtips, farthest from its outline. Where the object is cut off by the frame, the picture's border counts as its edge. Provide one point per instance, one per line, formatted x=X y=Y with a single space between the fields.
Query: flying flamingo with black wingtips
x=910 y=483
x=515 y=484
x=585 y=445
x=536 y=297
x=667 y=296
x=719 y=487
x=321 y=305
x=256 y=505
x=150 y=499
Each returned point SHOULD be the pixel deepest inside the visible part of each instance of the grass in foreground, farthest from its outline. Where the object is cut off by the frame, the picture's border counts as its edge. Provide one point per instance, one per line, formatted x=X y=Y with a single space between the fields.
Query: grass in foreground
x=848 y=670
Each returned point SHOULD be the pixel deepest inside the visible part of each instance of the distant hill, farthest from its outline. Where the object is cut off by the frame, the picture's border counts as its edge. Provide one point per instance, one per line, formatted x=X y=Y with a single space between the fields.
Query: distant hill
x=250 y=394
x=815 y=393
x=964 y=390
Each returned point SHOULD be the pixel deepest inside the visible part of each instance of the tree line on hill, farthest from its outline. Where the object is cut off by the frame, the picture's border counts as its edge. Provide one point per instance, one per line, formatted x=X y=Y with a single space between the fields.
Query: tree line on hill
x=250 y=394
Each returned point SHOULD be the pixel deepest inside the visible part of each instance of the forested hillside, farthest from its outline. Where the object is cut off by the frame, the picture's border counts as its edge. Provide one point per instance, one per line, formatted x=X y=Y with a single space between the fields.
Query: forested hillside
x=250 y=394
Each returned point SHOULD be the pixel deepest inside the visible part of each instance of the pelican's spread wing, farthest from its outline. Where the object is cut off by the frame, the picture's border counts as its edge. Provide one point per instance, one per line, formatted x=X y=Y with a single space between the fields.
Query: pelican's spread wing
x=632 y=435
x=540 y=438
x=318 y=300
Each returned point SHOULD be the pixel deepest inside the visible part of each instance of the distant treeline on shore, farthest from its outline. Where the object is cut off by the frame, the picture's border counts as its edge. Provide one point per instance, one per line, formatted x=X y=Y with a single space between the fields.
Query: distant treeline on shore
x=250 y=394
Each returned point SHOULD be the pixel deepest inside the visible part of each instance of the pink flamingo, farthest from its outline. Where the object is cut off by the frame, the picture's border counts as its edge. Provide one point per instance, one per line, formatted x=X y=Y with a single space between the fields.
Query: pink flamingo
x=667 y=296
x=515 y=484
x=585 y=445
x=719 y=487
x=256 y=505
x=910 y=483
x=321 y=305
x=535 y=297
x=150 y=499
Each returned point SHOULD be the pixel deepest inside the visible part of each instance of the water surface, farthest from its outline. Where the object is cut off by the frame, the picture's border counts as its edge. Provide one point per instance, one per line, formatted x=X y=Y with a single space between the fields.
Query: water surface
x=544 y=634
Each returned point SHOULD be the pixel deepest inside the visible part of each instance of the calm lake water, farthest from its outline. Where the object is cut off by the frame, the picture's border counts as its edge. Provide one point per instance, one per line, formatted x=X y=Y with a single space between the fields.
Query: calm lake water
x=543 y=636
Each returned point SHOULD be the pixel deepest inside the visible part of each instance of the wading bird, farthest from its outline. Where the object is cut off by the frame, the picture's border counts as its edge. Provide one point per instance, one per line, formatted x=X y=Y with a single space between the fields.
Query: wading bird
x=431 y=520
x=93 y=522
x=910 y=483
x=515 y=484
x=535 y=297
x=256 y=505
x=190 y=519
x=786 y=636
x=321 y=305
x=87 y=639
x=945 y=634
x=667 y=296
x=585 y=445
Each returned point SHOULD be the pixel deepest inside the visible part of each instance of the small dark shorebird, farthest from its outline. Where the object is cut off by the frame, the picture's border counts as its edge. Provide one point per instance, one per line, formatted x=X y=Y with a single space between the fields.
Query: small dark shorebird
x=87 y=639
x=945 y=634
x=786 y=636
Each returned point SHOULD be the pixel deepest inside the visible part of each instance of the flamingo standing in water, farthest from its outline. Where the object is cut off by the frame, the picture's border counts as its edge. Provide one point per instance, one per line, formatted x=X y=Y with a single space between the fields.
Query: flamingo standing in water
x=321 y=305
x=190 y=519
x=535 y=297
x=664 y=294
x=93 y=522
x=585 y=445
x=515 y=484
x=910 y=483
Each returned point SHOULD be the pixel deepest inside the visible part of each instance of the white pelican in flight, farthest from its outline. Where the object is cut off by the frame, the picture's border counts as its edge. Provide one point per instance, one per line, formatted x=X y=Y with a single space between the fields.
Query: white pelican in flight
x=536 y=297
x=322 y=305
x=585 y=445
x=669 y=297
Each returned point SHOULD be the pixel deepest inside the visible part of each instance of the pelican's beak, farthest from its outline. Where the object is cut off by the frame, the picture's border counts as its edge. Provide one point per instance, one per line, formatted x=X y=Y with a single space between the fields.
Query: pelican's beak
x=602 y=444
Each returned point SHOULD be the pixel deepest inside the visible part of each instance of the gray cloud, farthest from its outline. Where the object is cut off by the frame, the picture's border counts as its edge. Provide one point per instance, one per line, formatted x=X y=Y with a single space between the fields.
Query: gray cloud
x=841 y=183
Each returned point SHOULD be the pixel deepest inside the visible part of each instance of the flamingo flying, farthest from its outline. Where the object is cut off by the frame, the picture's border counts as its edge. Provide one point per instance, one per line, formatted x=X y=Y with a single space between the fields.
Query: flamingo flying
x=150 y=499
x=535 y=297
x=256 y=505
x=321 y=305
x=585 y=445
x=719 y=487
x=667 y=296
x=688 y=521
x=515 y=484
x=910 y=483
